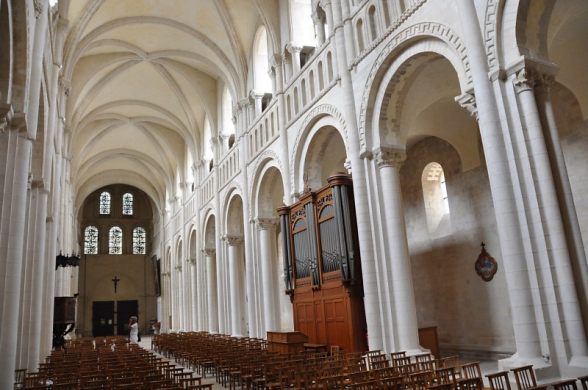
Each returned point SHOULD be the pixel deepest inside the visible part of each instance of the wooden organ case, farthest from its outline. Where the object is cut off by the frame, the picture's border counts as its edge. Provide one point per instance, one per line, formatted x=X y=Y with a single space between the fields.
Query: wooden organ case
x=322 y=266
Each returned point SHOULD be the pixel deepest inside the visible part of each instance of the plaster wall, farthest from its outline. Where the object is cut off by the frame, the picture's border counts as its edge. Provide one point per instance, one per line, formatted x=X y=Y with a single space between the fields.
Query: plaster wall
x=136 y=283
x=472 y=316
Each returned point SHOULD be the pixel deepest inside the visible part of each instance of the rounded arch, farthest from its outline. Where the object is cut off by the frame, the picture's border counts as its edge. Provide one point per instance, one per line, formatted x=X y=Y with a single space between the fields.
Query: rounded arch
x=209 y=231
x=192 y=243
x=412 y=41
x=322 y=116
x=234 y=213
x=268 y=192
x=179 y=250
x=266 y=163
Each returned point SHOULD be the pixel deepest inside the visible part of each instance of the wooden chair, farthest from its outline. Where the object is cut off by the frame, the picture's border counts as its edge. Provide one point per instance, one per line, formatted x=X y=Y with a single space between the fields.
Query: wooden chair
x=19 y=376
x=584 y=381
x=472 y=371
x=499 y=380
x=568 y=384
x=470 y=384
x=525 y=378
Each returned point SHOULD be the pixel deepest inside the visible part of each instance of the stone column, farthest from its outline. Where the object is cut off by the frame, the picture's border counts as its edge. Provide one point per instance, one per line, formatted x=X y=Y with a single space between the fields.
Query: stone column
x=552 y=227
x=502 y=187
x=187 y=295
x=562 y=181
x=40 y=195
x=295 y=53
x=407 y=338
x=364 y=228
x=194 y=284
x=212 y=293
x=319 y=28
x=15 y=157
x=257 y=102
x=234 y=244
x=266 y=228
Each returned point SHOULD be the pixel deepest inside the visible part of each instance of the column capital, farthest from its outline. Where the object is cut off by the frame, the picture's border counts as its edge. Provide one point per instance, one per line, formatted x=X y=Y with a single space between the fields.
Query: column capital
x=390 y=157
x=209 y=251
x=265 y=223
x=467 y=100
x=233 y=240
x=532 y=72
x=9 y=120
x=293 y=48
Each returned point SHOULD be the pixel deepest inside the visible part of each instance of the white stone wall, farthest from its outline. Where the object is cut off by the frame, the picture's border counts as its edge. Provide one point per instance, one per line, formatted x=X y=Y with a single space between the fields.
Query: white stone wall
x=471 y=316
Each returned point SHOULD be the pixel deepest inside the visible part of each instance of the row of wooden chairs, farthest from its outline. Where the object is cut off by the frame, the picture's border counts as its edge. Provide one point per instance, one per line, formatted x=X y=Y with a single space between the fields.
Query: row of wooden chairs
x=246 y=363
x=526 y=380
x=109 y=363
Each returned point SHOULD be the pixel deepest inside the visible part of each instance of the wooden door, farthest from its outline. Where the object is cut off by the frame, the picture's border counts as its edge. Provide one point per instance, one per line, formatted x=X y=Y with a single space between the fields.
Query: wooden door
x=103 y=318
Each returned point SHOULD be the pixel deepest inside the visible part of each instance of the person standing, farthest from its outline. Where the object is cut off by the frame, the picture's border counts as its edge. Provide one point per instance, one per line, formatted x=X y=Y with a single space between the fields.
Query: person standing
x=134 y=330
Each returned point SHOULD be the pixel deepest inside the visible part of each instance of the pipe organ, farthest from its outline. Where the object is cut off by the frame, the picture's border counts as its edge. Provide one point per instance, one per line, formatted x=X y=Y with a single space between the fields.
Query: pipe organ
x=322 y=270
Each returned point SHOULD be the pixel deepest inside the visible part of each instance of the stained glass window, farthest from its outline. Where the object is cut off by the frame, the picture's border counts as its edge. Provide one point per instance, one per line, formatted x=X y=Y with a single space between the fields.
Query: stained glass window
x=91 y=240
x=127 y=204
x=105 y=203
x=115 y=241
x=139 y=236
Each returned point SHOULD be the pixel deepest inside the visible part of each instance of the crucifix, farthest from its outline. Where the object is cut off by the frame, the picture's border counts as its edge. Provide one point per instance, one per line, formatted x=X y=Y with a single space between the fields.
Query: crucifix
x=115 y=280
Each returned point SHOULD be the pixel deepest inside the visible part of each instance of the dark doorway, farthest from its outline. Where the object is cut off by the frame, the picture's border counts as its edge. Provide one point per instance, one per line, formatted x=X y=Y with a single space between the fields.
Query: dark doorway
x=125 y=309
x=103 y=318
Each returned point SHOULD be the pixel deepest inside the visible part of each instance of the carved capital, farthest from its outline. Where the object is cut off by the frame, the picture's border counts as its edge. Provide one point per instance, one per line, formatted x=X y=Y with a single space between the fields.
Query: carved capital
x=38 y=5
x=275 y=60
x=293 y=48
x=244 y=103
x=233 y=240
x=524 y=80
x=6 y=114
x=65 y=85
x=388 y=157
x=467 y=101
x=209 y=251
x=265 y=223
x=347 y=165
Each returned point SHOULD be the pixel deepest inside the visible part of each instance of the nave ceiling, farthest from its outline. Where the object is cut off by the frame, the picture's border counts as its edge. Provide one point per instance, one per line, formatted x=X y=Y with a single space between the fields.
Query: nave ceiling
x=143 y=75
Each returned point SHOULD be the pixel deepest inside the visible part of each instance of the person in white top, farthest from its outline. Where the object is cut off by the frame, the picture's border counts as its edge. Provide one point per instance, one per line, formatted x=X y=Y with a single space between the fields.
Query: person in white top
x=134 y=330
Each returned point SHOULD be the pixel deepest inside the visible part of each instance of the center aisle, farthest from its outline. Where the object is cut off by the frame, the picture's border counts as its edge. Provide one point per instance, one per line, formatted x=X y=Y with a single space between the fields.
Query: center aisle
x=146 y=344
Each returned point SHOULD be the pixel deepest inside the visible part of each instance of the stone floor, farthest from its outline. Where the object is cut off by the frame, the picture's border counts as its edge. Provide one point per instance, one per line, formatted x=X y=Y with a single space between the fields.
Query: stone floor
x=487 y=367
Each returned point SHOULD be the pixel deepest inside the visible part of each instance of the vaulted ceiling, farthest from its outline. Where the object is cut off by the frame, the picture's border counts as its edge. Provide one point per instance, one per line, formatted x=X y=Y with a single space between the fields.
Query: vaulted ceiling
x=143 y=75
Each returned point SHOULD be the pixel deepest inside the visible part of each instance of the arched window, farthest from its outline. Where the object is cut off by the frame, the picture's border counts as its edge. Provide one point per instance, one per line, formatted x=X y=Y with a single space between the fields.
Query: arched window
x=360 y=45
x=435 y=197
x=115 y=241
x=127 y=204
x=372 y=20
x=139 y=239
x=261 y=79
x=105 y=203
x=91 y=240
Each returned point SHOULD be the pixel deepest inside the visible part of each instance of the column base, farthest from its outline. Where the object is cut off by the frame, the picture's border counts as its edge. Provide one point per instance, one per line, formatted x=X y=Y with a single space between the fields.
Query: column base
x=416 y=351
x=539 y=363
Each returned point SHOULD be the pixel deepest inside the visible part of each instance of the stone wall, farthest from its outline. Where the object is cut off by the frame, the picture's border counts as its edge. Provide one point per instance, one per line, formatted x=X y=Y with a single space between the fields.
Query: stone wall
x=472 y=316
